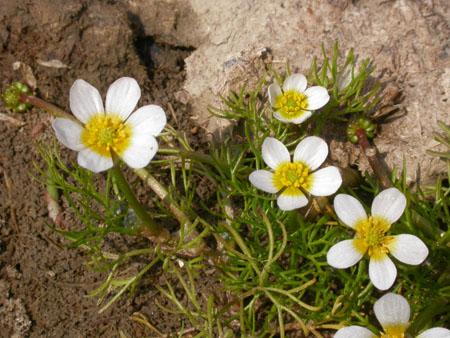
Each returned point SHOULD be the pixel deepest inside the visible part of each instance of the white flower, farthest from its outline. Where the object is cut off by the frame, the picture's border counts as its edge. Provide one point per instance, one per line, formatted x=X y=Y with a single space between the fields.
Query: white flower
x=294 y=104
x=371 y=237
x=392 y=311
x=296 y=178
x=105 y=135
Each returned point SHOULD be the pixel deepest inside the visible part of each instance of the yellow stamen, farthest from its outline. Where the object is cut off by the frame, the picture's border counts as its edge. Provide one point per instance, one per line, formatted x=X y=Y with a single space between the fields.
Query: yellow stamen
x=292 y=176
x=106 y=133
x=371 y=237
x=291 y=104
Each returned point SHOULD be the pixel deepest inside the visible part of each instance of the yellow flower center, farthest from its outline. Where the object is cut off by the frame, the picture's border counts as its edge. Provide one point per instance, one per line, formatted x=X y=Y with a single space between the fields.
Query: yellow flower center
x=371 y=236
x=292 y=175
x=106 y=133
x=291 y=104
x=395 y=331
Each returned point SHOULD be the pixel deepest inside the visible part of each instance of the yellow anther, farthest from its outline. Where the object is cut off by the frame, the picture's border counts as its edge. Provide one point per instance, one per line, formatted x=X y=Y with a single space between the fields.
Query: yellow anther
x=291 y=104
x=104 y=133
x=292 y=175
x=371 y=236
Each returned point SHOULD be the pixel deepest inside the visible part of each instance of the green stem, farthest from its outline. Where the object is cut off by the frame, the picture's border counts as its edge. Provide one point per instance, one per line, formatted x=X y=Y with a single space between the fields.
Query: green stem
x=186 y=153
x=163 y=194
x=159 y=234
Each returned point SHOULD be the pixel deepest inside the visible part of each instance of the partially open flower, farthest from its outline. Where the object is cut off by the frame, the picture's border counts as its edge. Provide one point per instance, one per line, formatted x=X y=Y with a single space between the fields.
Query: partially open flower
x=294 y=103
x=296 y=179
x=392 y=311
x=104 y=135
x=371 y=238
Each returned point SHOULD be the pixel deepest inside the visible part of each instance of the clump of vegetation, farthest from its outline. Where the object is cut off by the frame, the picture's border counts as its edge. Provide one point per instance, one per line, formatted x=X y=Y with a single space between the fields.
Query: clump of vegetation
x=291 y=257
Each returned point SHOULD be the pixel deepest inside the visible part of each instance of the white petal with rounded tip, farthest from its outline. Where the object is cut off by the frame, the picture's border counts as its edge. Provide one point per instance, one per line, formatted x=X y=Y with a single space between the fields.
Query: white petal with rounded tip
x=274 y=152
x=274 y=91
x=343 y=255
x=306 y=115
x=354 y=332
x=122 y=97
x=263 y=180
x=140 y=152
x=349 y=210
x=408 y=249
x=278 y=116
x=149 y=119
x=68 y=133
x=325 y=182
x=312 y=151
x=295 y=81
x=389 y=204
x=392 y=310
x=382 y=272
x=291 y=202
x=435 y=332
x=317 y=97
x=94 y=162
x=85 y=100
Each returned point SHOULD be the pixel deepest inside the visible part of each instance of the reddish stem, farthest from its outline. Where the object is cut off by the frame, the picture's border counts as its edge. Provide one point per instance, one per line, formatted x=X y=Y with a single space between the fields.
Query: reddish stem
x=371 y=155
x=39 y=103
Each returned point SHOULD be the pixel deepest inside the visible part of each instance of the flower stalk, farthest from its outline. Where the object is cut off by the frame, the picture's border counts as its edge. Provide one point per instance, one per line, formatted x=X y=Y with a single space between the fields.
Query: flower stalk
x=48 y=107
x=152 y=230
x=182 y=218
x=371 y=155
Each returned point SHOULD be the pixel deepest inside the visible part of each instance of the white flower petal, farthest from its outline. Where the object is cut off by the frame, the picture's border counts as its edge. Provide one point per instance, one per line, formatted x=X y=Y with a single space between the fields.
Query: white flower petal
x=382 y=272
x=278 y=116
x=349 y=210
x=274 y=91
x=325 y=182
x=85 y=100
x=263 y=180
x=68 y=133
x=354 y=332
x=295 y=81
x=306 y=115
x=312 y=151
x=392 y=310
x=389 y=204
x=435 y=332
x=343 y=255
x=317 y=97
x=94 y=162
x=288 y=201
x=122 y=97
x=408 y=249
x=149 y=119
x=139 y=153
x=274 y=152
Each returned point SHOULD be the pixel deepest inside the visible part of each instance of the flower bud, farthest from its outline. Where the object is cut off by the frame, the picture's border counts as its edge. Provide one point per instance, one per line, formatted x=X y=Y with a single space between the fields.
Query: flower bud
x=11 y=97
x=361 y=122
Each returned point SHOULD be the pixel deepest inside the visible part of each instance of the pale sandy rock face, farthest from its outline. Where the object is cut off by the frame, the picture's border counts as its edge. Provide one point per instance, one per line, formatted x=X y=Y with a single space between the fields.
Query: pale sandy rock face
x=406 y=40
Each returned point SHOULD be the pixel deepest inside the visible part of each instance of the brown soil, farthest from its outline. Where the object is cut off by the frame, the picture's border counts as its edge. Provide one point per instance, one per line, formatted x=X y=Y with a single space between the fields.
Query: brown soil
x=42 y=283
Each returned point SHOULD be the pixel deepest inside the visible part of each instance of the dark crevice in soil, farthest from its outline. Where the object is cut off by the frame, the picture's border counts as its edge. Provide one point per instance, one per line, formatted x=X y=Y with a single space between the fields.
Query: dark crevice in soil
x=154 y=54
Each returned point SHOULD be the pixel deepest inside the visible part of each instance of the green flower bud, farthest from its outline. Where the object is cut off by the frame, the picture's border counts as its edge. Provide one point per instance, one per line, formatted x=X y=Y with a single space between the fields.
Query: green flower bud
x=360 y=122
x=353 y=139
x=11 y=97
x=22 y=108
